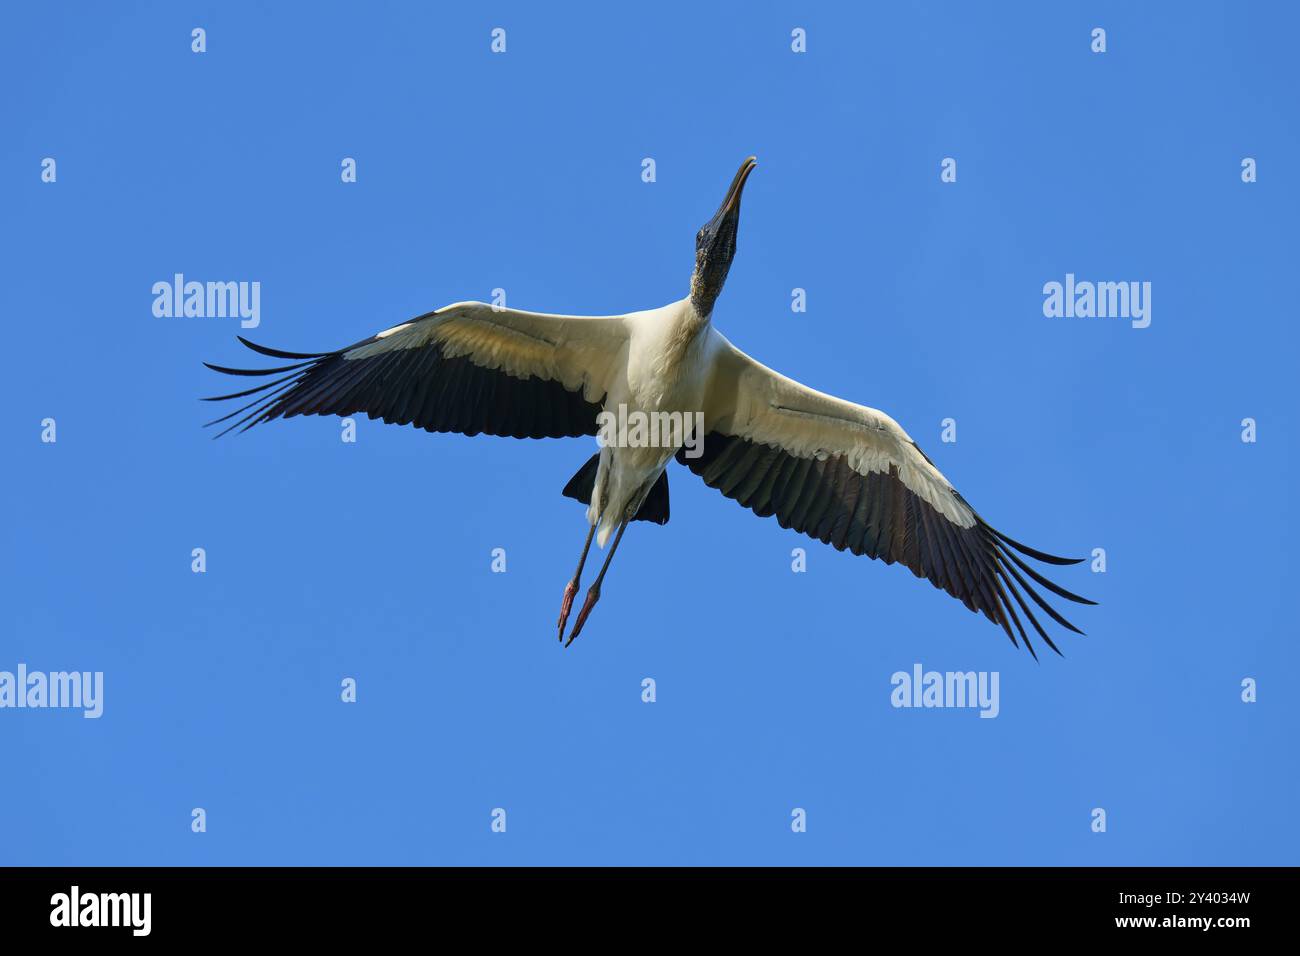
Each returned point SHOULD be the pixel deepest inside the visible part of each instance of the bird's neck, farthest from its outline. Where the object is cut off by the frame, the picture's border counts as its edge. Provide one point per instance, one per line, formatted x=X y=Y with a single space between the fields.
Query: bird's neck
x=696 y=315
x=706 y=284
x=701 y=300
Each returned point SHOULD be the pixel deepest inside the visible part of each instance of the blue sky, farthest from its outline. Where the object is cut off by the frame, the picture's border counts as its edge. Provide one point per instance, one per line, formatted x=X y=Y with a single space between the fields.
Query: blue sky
x=522 y=171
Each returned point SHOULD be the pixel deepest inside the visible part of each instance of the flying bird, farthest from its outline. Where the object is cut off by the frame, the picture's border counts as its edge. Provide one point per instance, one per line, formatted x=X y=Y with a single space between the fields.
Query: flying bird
x=842 y=473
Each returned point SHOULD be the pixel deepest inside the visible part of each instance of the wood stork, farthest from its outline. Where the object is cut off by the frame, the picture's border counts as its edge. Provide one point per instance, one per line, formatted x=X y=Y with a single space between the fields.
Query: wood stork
x=841 y=473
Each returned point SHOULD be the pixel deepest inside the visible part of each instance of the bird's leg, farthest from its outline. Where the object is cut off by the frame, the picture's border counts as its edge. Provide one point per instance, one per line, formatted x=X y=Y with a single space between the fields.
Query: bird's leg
x=571 y=588
x=593 y=593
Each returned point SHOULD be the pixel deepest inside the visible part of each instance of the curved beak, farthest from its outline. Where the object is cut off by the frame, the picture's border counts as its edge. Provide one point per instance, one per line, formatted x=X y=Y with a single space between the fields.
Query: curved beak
x=715 y=245
x=732 y=201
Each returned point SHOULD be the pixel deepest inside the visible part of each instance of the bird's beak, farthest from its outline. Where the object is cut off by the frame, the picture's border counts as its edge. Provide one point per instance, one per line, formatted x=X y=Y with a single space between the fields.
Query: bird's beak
x=731 y=205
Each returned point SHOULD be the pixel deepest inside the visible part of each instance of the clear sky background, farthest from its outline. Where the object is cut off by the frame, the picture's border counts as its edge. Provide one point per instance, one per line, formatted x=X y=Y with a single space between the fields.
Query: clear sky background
x=522 y=171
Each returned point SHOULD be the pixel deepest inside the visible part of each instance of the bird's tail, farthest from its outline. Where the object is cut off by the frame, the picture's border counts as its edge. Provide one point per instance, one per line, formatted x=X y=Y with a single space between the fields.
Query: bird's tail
x=654 y=508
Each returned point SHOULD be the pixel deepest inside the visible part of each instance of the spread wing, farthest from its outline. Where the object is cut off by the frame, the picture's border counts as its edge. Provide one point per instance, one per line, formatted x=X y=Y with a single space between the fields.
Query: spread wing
x=469 y=367
x=850 y=477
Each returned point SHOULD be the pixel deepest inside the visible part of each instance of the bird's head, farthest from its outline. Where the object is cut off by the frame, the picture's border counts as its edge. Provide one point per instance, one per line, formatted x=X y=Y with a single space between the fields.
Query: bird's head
x=715 y=244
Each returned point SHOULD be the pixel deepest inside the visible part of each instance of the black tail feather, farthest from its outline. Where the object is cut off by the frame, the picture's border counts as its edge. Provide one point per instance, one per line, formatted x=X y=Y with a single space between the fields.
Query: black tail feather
x=653 y=509
x=581 y=484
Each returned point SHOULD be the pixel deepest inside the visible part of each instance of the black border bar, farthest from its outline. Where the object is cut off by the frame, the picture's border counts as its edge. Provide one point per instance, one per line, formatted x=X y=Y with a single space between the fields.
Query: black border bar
x=209 y=904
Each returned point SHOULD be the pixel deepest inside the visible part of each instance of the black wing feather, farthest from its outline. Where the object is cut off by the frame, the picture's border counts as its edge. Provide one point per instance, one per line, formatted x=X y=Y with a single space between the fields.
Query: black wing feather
x=879 y=516
x=420 y=386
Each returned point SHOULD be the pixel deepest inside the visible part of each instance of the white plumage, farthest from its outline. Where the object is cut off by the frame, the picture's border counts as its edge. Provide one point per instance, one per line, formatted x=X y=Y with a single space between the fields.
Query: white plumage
x=843 y=473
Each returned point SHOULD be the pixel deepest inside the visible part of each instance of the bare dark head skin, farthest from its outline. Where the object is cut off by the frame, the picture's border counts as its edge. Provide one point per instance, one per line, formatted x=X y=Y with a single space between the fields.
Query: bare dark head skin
x=715 y=245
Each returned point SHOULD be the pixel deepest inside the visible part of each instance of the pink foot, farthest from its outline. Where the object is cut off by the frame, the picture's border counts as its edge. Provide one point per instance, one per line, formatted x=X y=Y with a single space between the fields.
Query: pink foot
x=566 y=605
x=592 y=597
